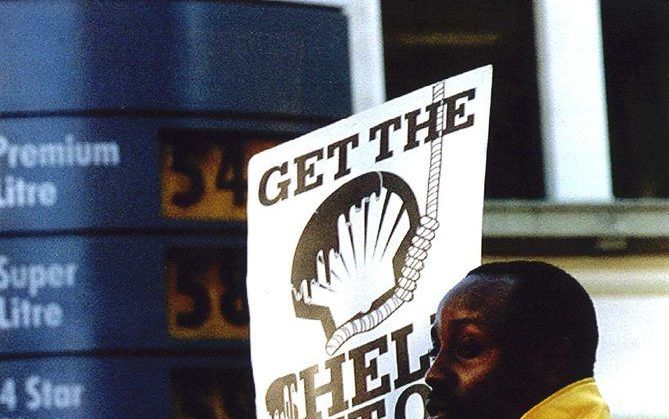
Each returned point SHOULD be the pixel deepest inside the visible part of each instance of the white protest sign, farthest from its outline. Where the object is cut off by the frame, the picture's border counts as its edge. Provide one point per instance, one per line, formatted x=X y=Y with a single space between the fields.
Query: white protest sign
x=355 y=232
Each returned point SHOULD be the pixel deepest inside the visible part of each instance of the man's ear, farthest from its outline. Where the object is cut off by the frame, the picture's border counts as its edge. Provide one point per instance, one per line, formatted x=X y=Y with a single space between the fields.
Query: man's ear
x=556 y=359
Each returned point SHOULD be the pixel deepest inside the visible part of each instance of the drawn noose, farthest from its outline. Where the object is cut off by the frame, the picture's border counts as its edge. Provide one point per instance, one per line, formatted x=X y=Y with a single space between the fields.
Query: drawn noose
x=417 y=252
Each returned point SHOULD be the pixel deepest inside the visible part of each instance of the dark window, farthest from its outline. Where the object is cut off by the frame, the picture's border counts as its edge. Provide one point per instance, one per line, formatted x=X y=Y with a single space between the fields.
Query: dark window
x=636 y=58
x=427 y=41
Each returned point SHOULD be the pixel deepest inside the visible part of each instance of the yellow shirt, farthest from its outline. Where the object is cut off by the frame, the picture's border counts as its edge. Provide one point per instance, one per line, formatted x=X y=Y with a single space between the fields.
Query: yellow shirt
x=579 y=400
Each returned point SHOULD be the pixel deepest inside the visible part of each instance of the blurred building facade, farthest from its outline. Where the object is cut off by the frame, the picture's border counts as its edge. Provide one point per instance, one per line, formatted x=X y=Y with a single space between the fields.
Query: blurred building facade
x=577 y=159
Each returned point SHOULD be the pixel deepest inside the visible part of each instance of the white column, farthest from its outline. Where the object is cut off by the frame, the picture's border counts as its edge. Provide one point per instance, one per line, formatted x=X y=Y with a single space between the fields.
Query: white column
x=366 y=46
x=365 y=38
x=572 y=99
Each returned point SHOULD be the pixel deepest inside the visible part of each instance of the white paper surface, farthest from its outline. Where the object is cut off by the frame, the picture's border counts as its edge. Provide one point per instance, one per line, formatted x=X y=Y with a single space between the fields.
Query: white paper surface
x=348 y=256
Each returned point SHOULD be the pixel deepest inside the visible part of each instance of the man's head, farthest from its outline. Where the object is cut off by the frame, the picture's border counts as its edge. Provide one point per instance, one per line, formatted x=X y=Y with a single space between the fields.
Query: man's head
x=507 y=336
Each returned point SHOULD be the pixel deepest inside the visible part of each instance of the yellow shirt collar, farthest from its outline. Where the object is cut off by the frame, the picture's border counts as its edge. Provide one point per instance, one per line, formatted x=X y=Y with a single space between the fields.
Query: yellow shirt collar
x=579 y=400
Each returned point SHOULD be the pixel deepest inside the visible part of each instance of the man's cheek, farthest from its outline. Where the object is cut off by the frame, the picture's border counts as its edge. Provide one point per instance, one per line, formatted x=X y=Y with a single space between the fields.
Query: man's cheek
x=474 y=374
x=481 y=392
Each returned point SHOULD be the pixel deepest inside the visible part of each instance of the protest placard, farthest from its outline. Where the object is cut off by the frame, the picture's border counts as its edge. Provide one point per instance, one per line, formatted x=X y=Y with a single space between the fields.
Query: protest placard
x=355 y=232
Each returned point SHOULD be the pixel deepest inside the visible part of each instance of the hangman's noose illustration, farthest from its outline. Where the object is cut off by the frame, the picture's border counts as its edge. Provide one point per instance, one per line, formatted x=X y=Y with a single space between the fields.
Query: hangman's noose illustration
x=417 y=252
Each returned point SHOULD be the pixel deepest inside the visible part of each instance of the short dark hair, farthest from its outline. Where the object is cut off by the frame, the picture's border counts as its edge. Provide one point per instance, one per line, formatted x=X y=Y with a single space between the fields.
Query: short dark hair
x=546 y=302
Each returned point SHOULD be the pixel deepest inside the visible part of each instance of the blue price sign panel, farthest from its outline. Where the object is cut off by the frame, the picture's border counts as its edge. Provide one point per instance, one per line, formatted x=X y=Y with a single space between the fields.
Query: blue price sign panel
x=126 y=115
x=142 y=292
x=103 y=387
x=79 y=173
x=240 y=59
